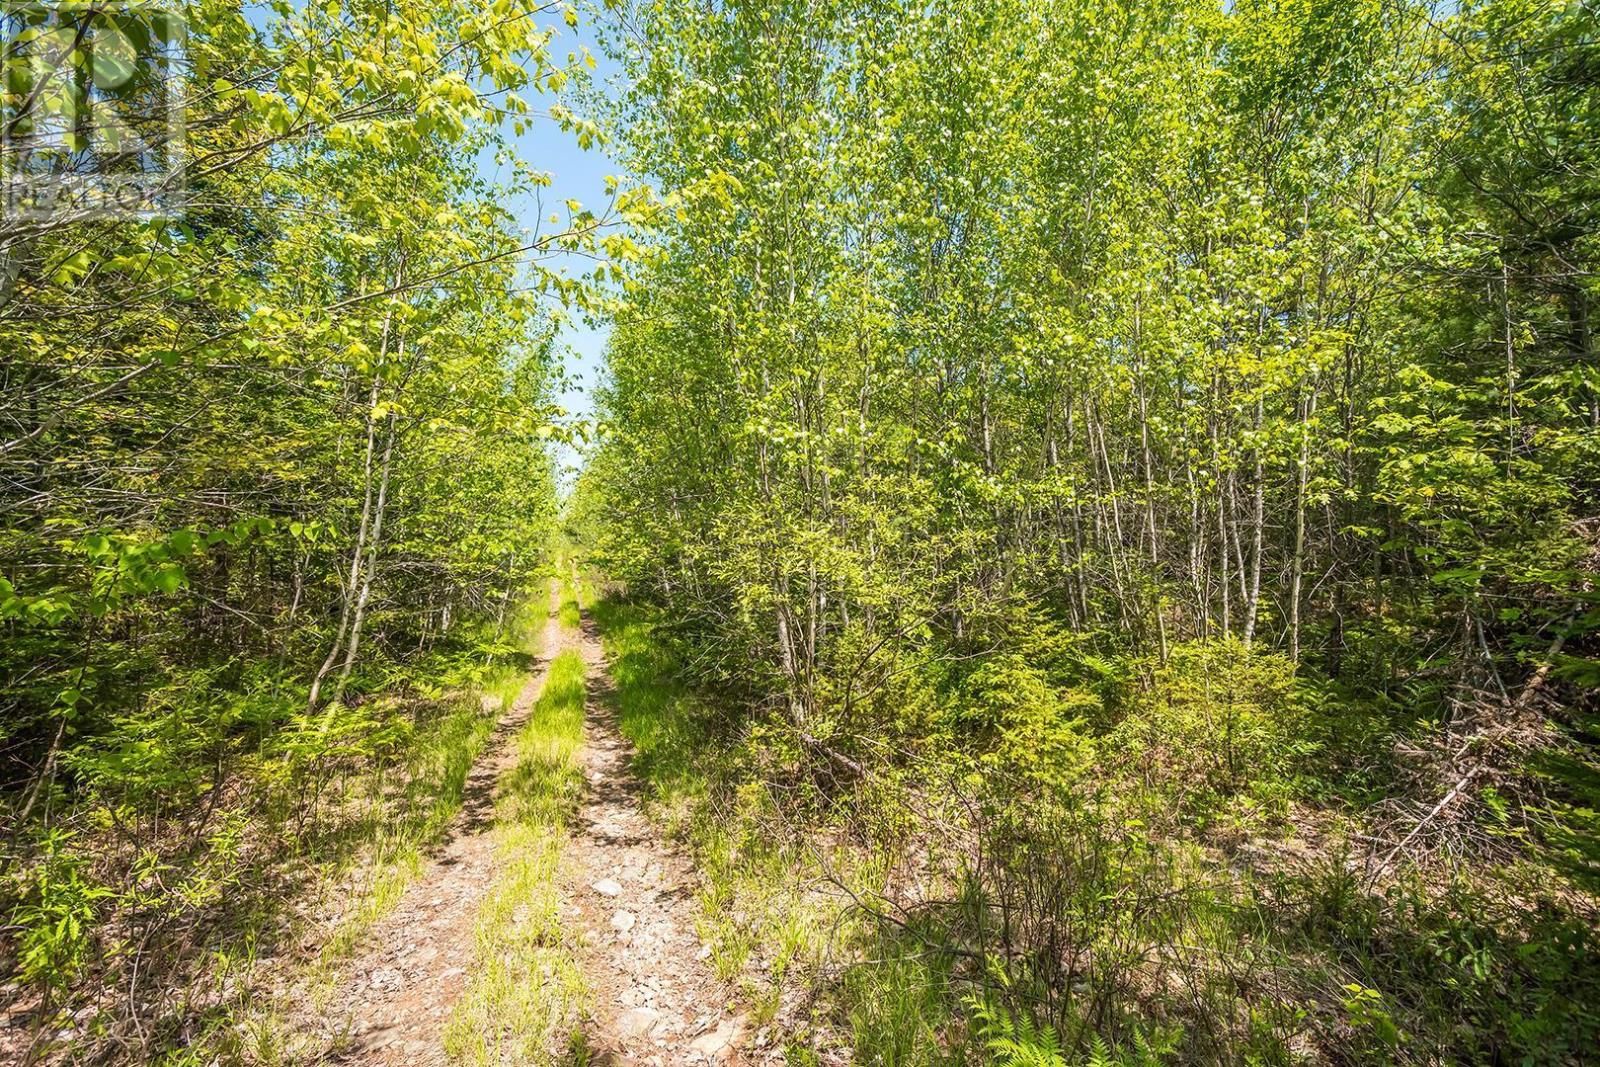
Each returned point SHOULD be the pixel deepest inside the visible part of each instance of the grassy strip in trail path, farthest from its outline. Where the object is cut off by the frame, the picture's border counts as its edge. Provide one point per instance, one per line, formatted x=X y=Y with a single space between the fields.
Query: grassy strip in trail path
x=570 y=613
x=524 y=1001
x=435 y=775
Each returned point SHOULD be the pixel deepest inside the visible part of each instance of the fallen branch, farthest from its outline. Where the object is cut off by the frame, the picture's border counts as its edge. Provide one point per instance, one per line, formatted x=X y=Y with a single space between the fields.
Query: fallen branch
x=1529 y=690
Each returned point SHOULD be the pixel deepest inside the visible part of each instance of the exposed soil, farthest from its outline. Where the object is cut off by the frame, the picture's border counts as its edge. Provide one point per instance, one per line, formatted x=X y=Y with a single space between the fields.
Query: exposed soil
x=395 y=995
x=631 y=899
x=628 y=904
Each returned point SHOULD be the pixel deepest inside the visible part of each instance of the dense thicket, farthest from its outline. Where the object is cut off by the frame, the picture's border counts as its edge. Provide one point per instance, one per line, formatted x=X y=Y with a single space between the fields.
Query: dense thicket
x=267 y=452
x=1187 y=415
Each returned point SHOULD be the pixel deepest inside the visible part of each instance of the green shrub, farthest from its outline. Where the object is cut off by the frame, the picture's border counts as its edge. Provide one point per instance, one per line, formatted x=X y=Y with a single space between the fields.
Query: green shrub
x=1219 y=721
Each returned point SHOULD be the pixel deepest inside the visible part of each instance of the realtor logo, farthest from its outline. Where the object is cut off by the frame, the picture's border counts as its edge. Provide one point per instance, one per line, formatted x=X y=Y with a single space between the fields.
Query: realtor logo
x=91 y=110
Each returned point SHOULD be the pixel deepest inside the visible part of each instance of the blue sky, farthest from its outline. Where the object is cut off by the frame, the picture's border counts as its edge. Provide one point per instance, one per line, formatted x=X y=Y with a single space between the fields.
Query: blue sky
x=576 y=174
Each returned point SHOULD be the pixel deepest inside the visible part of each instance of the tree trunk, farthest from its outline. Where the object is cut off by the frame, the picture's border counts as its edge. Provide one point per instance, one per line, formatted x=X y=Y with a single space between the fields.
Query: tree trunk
x=372 y=562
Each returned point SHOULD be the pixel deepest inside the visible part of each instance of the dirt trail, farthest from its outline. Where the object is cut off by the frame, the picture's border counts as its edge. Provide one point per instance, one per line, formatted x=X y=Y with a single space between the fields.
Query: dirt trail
x=627 y=903
x=630 y=897
x=397 y=993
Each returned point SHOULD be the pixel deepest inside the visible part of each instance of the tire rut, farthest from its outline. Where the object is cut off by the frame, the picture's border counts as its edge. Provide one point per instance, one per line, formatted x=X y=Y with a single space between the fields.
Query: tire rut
x=630 y=898
x=395 y=995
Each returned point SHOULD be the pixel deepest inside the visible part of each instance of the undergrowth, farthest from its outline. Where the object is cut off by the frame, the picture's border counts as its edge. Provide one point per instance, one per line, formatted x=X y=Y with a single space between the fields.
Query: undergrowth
x=1139 y=897
x=149 y=934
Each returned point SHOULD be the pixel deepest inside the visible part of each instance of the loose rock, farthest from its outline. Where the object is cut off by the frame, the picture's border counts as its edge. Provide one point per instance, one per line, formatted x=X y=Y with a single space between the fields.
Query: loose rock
x=637 y=1022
